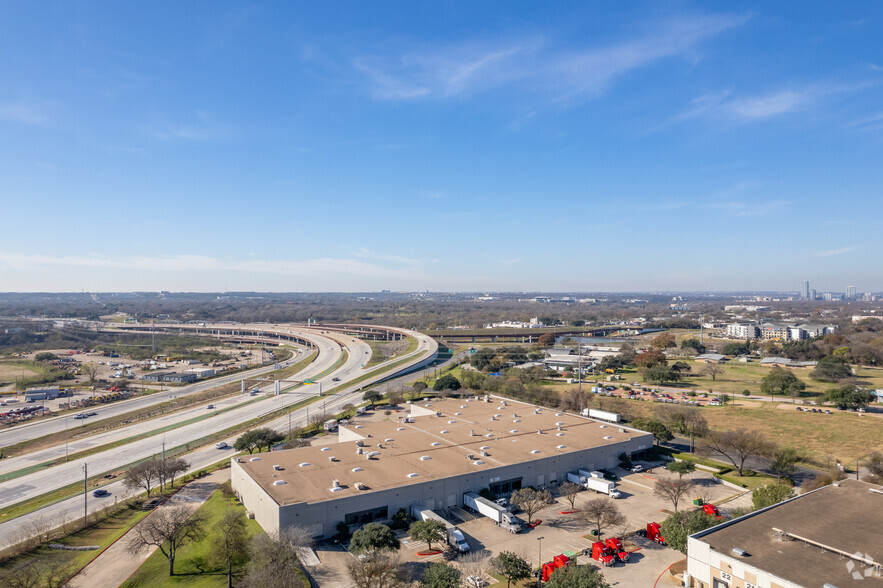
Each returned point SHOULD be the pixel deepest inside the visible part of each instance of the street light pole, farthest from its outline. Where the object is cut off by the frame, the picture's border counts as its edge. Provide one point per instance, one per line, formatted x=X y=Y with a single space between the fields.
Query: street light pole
x=540 y=561
x=65 y=438
x=85 y=493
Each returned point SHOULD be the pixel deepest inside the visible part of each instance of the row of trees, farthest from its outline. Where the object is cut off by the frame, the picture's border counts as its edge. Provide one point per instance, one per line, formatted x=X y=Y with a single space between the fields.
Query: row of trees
x=256 y=439
x=155 y=472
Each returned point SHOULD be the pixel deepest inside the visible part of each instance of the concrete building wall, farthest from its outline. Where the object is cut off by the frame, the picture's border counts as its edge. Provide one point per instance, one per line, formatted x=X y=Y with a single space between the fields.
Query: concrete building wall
x=323 y=517
x=704 y=565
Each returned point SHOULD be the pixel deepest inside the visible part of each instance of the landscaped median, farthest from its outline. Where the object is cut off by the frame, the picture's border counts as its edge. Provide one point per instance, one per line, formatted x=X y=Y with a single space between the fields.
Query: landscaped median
x=750 y=478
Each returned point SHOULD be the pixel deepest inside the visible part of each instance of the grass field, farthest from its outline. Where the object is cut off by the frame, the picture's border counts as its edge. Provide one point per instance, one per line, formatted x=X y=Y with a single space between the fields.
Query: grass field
x=101 y=534
x=193 y=566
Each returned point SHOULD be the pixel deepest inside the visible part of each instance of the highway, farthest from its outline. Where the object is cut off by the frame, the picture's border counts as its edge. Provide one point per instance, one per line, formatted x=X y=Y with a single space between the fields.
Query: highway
x=38 y=483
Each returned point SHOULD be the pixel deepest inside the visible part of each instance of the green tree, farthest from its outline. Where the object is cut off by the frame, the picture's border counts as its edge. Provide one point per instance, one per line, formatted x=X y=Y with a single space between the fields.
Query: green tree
x=439 y=575
x=266 y=437
x=510 y=566
x=248 y=441
x=660 y=374
x=229 y=543
x=781 y=382
x=681 y=525
x=446 y=382
x=848 y=397
x=874 y=463
x=431 y=531
x=832 y=369
x=681 y=468
x=372 y=396
x=693 y=343
x=577 y=577
x=736 y=349
x=374 y=538
x=45 y=356
x=660 y=431
x=771 y=494
x=784 y=462
x=546 y=340
x=737 y=446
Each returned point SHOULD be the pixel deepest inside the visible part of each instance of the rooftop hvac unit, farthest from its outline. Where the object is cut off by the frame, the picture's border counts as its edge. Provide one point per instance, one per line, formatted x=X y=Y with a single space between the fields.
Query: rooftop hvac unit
x=536 y=411
x=277 y=467
x=539 y=431
x=483 y=453
x=740 y=552
x=470 y=456
x=472 y=432
x=335 y=483
x=515 y=414
x=438 y=413
x=358 y=451
x=332 y=458
x=503 y=402
x=360 y=486
x=360 y=443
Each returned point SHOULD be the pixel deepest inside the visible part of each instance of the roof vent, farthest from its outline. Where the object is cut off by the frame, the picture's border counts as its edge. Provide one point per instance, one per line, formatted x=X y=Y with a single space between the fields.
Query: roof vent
x=741 y=552
x=336 y=489
x=462 y=406
x=435 y=443
x=516 y=420
x=444 y=431
x=358 y=470
x=559 y=413
x=305 y=464
x=485 y=447
x=489 y=435
x=332 y=458
x=513 y=431
x=400 y=429
x=534 y=450
x=559 y=424
x=608 y=437
x=255 y=459
x=425 y=458
x=412 y=475
x=559 y=434
x=451 y=422
x=477 y=462
x=562 y=446
x=388 y=440
x=458 y=413
x=326 y=449
x=603 y=426
x=279 y=483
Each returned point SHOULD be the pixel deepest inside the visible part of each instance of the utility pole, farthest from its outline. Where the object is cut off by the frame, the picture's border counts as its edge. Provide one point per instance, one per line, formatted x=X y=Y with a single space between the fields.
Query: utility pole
x=579 y=369
x=85 y=493
x=702 y=329
x=540 y=559
x=65 y=438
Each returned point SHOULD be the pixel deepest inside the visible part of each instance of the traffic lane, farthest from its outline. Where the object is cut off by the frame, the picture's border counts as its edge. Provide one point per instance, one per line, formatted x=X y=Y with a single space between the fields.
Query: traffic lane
x=75 y=445
x=28 y=431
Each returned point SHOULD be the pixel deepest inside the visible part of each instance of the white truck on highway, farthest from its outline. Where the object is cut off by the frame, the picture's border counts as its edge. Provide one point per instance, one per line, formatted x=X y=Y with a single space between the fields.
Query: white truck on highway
x=594 y=481
x=454 y=535
x=499 y=514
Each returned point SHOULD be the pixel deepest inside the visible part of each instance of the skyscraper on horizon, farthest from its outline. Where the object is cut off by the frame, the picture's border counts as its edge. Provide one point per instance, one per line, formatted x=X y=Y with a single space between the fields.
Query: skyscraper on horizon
x=850 y=292
x=805 y=290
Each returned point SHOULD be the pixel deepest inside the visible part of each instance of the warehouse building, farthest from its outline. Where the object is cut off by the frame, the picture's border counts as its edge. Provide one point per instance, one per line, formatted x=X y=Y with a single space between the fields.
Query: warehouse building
x=829 y=537
x=431 y=455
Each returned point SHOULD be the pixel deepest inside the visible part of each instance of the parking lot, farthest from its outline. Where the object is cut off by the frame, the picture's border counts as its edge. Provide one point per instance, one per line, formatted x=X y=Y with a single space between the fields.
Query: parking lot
x=559 y=533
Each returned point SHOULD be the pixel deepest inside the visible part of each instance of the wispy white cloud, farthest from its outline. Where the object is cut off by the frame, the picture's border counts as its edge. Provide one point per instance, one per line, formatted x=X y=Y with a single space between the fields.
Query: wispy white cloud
x=23 y=113
x=509 y=261
x=833 y=252
x=398 y=259
x=203 y=128
x=722 y=104
x=535 y=63
x=198 y=263
x=873 y=122
x=746 y=208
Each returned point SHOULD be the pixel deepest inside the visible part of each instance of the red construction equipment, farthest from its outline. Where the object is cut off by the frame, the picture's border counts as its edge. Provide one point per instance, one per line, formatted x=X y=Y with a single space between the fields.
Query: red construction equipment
x=550 y=567
x=711 y=510
x=601 y=554
x=654 y=534
x=615 y=547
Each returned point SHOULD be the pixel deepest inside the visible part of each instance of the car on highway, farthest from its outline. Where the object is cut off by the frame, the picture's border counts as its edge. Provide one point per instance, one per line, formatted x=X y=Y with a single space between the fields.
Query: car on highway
x=221 y=445
x=210 y=406
x=335 y=379
x=100 y=492
x=80 y=416
x=92 y=414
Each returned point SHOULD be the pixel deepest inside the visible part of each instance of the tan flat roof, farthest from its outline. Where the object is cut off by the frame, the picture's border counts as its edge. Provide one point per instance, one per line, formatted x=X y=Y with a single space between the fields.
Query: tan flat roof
x=847 y=517
x=429 y=448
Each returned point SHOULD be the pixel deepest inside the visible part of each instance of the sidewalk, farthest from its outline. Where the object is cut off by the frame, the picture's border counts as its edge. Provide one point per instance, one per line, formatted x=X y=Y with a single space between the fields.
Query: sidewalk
x=117 y=563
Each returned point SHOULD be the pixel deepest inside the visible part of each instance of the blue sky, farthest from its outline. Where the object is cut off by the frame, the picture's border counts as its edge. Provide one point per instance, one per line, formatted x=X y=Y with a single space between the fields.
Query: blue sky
x=209 y=146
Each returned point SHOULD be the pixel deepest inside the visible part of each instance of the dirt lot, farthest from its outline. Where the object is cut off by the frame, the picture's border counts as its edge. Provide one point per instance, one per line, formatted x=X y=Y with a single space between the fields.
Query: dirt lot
x=562 y=532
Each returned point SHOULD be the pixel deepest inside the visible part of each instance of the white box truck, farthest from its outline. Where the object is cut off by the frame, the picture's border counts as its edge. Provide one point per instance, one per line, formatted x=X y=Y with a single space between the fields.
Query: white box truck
x=330 y=425
x=454 y=535
x=603 y=486
x=576 y=479
x=499 y=514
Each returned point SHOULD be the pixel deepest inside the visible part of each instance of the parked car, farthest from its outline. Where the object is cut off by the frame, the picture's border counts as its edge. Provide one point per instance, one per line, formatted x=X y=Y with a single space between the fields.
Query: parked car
x=637 y=468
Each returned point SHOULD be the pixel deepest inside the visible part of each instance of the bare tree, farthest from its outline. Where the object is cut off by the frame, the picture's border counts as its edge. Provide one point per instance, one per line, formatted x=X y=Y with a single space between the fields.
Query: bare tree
x=601 y=513
x=382 y=571
x=168 y=529
x=737 y=446
x=172 y=468
x=568 y=491
x=90 y=370
x=276 y=561
x=713 y=370
x=673 y=490
x=530 y=501
x=474 y=564
x=143 y=475
x=230 y=542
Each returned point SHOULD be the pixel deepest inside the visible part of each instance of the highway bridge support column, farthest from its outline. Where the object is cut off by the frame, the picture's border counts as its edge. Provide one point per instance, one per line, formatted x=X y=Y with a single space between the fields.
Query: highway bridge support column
x=277 y=387
x=243 y=387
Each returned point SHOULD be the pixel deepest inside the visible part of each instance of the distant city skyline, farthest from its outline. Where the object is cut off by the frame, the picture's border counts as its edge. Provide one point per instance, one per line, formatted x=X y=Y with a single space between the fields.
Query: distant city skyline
x=491 y=146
